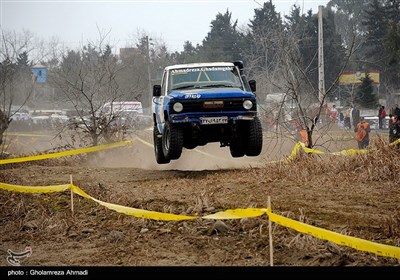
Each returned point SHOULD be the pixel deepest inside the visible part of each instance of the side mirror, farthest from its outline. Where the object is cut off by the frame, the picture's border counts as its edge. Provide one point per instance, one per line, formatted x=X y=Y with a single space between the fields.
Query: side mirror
x=239 y=64
x=156 y=90
x=253 y=85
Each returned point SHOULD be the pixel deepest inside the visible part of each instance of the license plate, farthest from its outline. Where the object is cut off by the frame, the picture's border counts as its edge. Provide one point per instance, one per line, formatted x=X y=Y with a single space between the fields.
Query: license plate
x=214 y=120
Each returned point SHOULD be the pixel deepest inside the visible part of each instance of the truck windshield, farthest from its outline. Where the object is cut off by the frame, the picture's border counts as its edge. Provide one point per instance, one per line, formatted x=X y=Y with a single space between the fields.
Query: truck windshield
x=203 y=77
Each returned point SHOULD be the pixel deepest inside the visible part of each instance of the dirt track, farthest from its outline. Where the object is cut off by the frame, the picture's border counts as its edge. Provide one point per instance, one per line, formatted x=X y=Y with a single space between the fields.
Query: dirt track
x=201 y=182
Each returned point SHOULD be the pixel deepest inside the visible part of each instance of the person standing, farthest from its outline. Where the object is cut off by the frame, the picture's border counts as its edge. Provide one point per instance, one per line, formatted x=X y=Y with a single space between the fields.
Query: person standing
x=347 y=119
x=351 y=116
x=355 y=114
x=362 y=130
x=396 y=111
x=334 y=114
x=394 y=130
x=381 y=116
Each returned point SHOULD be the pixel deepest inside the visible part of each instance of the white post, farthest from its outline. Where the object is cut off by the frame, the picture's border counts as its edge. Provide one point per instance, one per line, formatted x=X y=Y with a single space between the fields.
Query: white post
x=271 y=248
x=72 y=196
x=149 y=71
x=321 y=78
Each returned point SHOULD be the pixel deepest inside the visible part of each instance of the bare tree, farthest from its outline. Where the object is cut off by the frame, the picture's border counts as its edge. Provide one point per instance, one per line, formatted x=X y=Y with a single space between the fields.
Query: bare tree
x=297 y=86
x=16 y=85
x=88 y=80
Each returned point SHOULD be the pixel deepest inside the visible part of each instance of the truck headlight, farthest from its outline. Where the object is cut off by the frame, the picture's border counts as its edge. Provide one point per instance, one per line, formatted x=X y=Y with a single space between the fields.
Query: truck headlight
x=247 y=104
x=178 y=107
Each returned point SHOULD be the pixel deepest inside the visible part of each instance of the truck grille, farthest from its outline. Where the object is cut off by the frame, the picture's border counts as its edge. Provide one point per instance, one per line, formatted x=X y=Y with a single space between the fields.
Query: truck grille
x=214 y=105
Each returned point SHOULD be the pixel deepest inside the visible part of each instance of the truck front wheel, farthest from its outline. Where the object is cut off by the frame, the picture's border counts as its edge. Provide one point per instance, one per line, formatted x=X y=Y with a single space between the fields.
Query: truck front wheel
x=157 y=142
x=172 y=141
x=236 y=147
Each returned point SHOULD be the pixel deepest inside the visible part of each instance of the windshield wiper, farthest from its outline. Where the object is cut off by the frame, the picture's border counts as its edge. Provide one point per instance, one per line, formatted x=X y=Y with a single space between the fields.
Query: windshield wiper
x=218 y=85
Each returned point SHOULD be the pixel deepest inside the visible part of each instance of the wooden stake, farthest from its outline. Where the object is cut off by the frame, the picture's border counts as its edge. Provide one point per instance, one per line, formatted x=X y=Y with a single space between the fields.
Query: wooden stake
x=271 y=249
x=72 y=196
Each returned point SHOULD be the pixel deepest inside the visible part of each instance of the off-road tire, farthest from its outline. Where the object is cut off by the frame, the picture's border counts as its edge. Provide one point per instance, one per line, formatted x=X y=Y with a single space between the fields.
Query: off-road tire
x=157 y=142
x=172 y=141
x=254 y=138
x=236 y=147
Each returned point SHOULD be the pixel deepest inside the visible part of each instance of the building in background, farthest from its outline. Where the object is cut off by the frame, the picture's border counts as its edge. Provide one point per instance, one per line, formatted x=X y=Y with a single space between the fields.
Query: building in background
x=39 y=74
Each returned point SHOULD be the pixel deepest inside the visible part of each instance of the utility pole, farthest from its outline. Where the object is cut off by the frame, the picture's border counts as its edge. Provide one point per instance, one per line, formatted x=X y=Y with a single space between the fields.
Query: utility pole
x=321 y=78
x=149 y=72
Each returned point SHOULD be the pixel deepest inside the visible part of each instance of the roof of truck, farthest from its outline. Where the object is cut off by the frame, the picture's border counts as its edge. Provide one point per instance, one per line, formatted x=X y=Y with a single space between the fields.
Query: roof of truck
x=195 y=65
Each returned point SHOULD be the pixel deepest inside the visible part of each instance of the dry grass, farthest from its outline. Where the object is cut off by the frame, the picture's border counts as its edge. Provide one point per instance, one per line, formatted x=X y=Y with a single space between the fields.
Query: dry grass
x=354 y=195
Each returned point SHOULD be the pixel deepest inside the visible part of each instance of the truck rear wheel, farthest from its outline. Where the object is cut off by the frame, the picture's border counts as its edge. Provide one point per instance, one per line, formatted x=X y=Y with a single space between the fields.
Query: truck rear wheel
x=172 y=141
x=255 y=138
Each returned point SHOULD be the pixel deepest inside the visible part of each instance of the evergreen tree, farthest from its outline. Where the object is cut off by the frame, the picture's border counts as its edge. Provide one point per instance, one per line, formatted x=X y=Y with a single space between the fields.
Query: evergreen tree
x=189 y=53
x=223 y=42
x=365 y=93
x=305 y=29
x=308 y=45
x=23 y=68
x=392 y=46
x=349 y=16
x=392 y=43
x=381 y=19
x=375 y=22
x=334 y=52
x=22 y=60
x=266 y=30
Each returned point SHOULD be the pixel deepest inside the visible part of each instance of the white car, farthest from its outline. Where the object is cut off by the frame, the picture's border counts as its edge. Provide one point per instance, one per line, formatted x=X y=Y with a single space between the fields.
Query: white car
x=20 y=116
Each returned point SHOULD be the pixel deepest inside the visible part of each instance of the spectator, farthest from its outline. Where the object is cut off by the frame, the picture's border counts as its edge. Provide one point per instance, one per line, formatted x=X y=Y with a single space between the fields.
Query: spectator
x=394 y=130
x=362 y=133
x=347 y=121
x=396 y=111
x=334 y=114
x=327 y=113
x=355 y=114
x=351 y=115
x=302 y=133
x=381 y=116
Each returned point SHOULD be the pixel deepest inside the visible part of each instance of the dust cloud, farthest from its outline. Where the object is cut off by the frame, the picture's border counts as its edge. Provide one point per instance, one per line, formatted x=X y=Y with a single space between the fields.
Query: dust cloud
x=140 y=154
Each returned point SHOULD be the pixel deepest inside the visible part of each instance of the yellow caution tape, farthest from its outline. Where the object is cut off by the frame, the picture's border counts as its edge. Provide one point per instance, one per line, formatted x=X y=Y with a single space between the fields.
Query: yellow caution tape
x=34 y=189
x=395 y=142
x=340 y=239
x=67 y=153
x=123 y=143
x=294 y=151
x=351 y=152
x=134 y=211
x=314 y=151
x=236 y=214
x=311 y=151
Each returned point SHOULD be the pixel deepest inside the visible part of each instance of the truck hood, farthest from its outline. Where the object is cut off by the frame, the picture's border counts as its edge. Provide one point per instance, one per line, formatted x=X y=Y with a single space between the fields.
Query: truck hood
x=211 y=93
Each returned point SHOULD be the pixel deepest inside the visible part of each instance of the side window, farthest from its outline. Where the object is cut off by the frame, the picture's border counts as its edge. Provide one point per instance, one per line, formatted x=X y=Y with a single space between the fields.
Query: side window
x=164 y=83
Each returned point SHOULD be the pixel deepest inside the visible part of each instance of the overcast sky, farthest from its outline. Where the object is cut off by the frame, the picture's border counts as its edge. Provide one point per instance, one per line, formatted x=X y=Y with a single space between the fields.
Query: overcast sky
x=174 y=22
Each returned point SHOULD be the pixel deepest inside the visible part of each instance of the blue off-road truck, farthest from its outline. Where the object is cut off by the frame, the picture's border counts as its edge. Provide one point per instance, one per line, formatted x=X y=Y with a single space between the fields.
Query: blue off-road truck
x=199 y=103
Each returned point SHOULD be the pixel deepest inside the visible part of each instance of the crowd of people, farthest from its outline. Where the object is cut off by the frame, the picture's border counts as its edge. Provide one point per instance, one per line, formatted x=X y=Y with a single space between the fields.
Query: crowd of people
x=350 y=118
